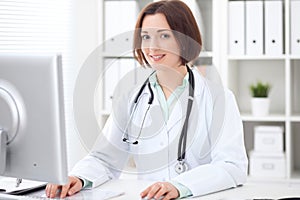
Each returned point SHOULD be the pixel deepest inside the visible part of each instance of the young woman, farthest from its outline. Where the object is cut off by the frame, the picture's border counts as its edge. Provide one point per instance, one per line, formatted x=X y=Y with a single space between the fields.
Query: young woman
x=187 y=134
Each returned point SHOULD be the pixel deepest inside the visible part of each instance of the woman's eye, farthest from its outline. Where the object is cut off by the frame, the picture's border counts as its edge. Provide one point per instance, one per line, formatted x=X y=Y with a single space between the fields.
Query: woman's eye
x=145 y=37
x=165 y=36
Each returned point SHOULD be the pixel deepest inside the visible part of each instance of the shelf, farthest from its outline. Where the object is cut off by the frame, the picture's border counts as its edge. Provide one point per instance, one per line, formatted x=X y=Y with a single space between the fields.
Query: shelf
x=283 y=73
x=295 y=118
x=294 y=57
x=263 y=57
x=270 y=118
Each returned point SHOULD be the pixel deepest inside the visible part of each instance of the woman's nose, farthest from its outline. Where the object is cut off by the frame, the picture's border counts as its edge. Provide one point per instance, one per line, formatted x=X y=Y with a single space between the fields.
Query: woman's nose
x=154 y=44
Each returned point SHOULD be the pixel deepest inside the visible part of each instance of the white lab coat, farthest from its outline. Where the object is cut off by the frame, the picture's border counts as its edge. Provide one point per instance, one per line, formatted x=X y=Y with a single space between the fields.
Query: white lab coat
x=215 y=152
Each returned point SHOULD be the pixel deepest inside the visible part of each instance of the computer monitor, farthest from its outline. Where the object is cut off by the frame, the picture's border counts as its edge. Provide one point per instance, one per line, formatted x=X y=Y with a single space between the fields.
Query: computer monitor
x=32 y=117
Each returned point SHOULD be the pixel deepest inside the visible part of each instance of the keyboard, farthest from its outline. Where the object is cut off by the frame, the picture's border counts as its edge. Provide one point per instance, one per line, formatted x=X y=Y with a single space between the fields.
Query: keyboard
x=10 y=197
x=29 y=197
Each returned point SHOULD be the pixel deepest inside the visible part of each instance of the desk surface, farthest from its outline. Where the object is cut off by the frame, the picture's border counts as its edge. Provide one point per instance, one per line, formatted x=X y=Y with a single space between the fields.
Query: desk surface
x=251 y=190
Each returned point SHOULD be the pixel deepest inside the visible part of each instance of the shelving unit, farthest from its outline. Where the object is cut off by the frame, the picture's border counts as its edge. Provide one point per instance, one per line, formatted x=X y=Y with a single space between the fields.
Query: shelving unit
x=283 y=73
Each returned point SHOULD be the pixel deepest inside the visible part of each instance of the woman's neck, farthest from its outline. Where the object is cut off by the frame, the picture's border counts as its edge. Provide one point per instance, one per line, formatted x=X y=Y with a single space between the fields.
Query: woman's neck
x=169 y=79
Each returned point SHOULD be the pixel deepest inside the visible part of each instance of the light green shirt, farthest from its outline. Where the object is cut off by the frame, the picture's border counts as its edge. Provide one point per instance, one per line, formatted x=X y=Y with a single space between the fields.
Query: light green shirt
x=167 y=105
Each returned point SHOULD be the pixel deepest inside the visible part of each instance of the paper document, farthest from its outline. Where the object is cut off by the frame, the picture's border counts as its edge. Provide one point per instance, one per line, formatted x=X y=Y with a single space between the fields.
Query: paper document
x=8 y=186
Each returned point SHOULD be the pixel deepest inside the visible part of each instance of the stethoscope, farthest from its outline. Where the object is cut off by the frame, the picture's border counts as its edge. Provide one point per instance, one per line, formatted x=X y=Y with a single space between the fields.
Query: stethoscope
x=180 y=166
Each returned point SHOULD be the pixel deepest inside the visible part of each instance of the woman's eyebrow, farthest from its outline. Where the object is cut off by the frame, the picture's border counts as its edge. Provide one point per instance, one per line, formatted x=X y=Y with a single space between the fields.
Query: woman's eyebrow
x=159 y=30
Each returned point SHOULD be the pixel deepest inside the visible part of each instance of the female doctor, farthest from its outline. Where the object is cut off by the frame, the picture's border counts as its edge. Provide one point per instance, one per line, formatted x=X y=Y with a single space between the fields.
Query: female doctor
x=183 y=132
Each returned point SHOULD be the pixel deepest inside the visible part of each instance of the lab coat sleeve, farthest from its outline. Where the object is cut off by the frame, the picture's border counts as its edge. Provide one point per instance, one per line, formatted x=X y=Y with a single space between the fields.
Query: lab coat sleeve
x=228 y=166
x=107 y=158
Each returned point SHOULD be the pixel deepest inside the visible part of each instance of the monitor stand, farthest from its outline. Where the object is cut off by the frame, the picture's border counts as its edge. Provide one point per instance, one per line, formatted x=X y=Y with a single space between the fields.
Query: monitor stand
x=3 y=147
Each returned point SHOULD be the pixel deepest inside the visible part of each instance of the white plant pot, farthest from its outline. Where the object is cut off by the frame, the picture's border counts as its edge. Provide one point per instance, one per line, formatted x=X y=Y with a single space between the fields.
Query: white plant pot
x=260 y=106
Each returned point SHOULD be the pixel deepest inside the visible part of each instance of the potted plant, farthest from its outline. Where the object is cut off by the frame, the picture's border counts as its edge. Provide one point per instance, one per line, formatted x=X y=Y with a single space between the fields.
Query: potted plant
x=260 y=101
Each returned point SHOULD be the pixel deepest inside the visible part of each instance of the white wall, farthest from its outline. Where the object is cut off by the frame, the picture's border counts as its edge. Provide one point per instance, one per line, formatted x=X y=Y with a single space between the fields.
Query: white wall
x=87 y=20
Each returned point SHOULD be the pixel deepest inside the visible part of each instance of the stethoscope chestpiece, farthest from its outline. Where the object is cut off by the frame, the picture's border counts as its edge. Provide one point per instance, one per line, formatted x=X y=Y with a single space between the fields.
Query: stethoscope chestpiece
x=181 y=167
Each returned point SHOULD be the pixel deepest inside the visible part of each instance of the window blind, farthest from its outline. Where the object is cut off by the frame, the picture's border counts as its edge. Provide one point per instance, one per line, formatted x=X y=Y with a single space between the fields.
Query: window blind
x=41 y=26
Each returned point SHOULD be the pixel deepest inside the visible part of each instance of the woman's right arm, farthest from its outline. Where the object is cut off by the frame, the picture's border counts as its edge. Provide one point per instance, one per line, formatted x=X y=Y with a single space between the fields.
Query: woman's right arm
x=104 y=162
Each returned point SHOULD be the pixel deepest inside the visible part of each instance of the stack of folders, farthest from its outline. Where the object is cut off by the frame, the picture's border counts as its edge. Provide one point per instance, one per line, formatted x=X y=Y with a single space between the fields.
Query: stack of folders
x=295 y=27
x=262 y=34
x=268 y=158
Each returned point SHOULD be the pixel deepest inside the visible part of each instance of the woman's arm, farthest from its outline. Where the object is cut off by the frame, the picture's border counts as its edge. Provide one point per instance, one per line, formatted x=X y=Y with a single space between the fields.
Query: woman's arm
x=228 y=166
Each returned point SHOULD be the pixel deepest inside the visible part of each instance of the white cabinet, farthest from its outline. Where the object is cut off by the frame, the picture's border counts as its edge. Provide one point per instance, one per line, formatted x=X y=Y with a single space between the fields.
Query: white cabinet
x=281 y=71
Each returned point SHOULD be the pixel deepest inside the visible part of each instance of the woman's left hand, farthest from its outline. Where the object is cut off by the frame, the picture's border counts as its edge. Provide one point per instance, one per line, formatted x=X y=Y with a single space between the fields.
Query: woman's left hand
x=160 y=190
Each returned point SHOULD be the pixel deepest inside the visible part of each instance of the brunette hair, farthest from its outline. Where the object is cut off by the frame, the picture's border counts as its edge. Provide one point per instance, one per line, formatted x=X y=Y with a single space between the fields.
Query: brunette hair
x=181 y=21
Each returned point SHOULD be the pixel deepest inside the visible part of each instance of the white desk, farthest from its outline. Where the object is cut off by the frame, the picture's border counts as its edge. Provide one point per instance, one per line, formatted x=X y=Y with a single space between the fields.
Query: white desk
x=251 y=190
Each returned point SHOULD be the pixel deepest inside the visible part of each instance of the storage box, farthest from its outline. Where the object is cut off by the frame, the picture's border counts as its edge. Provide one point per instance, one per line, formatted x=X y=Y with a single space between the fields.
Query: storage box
x=268 y=139
x=267 y=165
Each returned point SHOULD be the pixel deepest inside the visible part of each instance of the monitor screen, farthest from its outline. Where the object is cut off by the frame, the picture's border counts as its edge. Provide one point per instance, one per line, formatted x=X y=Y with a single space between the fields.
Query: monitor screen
x=32 y=117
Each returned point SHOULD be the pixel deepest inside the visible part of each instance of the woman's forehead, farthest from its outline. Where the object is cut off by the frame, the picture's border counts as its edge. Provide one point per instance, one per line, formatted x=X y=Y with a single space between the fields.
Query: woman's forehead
x=157 y=20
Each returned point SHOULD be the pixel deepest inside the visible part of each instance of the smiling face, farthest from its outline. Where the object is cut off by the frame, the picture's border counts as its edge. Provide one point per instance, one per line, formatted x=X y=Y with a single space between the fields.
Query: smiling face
x=159 y=44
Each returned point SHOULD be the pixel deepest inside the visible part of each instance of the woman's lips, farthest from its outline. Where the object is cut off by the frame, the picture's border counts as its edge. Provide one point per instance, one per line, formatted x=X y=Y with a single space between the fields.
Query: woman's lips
x=157 y=58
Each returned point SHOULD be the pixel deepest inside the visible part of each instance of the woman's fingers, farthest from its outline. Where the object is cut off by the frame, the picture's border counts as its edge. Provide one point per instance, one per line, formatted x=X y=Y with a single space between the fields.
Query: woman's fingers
x=51 y=190
x=64 y=190
x=73 y=186
x=164 y=190
x=160 y=190
x=150 y=191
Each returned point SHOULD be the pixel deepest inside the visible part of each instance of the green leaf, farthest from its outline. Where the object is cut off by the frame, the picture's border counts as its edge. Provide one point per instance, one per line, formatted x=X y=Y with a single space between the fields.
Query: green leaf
x=260 y=89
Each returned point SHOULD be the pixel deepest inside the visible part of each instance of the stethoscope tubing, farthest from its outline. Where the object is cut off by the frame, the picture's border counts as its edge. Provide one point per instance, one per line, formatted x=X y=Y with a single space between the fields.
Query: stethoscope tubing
x=183 y=135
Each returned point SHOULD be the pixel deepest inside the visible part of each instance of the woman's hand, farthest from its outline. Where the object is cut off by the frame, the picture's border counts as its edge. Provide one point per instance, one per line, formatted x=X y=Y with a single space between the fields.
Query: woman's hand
x=73 y=186
x=160 y=190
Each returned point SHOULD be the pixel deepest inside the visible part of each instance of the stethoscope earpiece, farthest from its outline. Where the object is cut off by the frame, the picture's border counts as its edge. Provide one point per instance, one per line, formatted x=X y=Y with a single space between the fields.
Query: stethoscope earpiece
x=127 y=141
x=136 y=142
